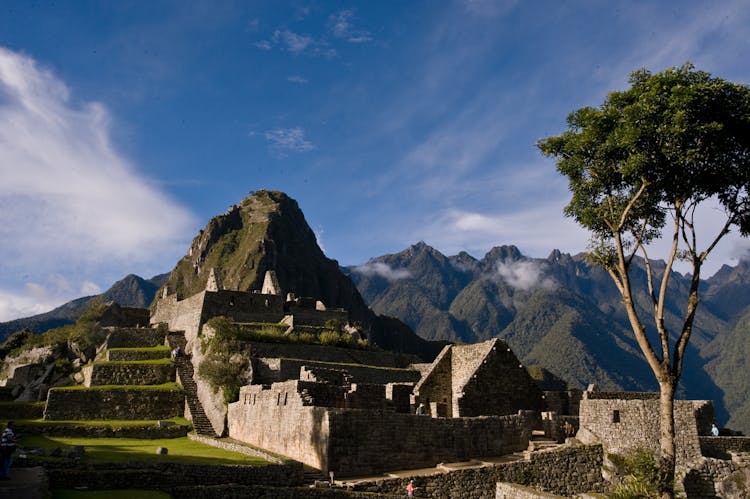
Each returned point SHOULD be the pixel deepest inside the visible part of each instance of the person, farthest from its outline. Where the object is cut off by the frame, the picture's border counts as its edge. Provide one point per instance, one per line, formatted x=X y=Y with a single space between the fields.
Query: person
x=420 y=409
x=176 y=352
x=7 y=448
x=714 y=430
x=570 y=430
x=410 y=489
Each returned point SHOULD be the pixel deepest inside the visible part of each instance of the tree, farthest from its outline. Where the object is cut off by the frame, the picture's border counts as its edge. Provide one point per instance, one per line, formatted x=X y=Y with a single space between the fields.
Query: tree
x=639 y=166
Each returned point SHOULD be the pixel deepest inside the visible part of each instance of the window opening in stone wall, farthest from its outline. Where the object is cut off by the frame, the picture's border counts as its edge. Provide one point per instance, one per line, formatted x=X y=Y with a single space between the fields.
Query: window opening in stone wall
x=285 y=396
x=616 y=416
x=278 y=398
x=253 y=399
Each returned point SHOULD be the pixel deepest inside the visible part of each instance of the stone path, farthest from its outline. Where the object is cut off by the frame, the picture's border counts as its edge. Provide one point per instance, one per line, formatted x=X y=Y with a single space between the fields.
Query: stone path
x=25 y=483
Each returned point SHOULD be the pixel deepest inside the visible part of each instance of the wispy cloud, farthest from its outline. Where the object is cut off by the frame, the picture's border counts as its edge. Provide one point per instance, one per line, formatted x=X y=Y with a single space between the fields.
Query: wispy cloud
x=292 y=42
x=383 y=270
x=340 y=26
x=297 y=44
x=68 y=198
x=296 y=79
x=286 y=140
x=524 y=275
x=489 y=8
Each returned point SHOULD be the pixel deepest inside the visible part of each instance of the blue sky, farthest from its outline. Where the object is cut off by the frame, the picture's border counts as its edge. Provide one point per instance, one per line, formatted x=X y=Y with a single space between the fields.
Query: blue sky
x=125 y=126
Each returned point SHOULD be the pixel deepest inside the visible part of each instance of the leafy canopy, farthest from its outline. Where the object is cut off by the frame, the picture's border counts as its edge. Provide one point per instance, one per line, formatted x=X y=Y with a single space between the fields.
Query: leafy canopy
x=672 y=140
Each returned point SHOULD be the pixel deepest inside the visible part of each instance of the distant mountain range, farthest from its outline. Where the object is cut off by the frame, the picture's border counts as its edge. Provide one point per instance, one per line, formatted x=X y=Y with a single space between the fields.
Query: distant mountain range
x=558 y=312
x=564 y=314
x=130 y=291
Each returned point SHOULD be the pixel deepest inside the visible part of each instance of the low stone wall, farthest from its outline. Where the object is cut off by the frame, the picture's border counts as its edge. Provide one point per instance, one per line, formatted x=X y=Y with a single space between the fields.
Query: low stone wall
x=239 y=448
x=117 y=373
x=166 y=476
x=134 y=338
x=274 y=370
x=128 y=354
x=567 y=471
x=720 y=447
x=514 y=491
x=261 y=492
x=322 y=353
x=21 y=410
x=621 y=395
x=129 y=403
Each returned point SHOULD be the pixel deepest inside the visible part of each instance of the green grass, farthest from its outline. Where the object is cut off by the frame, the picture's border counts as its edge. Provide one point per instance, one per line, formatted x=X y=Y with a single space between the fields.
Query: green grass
x=165 y=386
x=157 y=348
x=122 y=450
x=109 y=494
x=17 y=404
x=111 y=423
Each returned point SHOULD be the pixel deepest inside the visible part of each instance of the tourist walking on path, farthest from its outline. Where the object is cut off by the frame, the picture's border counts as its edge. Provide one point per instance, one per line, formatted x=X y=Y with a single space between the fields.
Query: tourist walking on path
x=7 y=448
x=410 y=489
x=714 y=430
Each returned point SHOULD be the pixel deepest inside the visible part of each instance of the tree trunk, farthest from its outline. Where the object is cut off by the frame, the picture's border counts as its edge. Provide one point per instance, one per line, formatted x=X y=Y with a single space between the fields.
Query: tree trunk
x=667 y=458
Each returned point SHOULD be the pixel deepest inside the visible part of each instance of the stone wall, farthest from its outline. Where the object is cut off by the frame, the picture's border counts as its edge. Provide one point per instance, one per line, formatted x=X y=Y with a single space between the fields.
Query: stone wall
x=312 y=317
x=366 y=442
x=119 y=316
x=240 y=306
x=20 y=410
x=268 y=371
x=165 y=476
x=322 y=353
x=621 y=424
x=282 y=421
x=130 y=403
x=184 y=315
x=566 y=471
x=130 y=354
x=722 y=447
x=507 y=490
x=128 y=373
x=267 y=492
x=563 y=402
x=436 y=383
x=134 y=338
x=499 y=384
x=288 y=419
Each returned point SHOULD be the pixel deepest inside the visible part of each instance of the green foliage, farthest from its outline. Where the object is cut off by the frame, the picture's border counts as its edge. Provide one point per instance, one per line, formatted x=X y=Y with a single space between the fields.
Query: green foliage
x=674 y=139
x=93 y=312
x=641 y=475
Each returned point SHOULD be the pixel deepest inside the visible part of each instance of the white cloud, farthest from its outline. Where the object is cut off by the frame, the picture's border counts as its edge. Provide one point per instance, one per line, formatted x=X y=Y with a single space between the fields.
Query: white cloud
x=524 y=275
x=69 y=201
x=489 y=8
x=284 y=140
x=383 y=270
x=340 y=26
x=293 y=42
x=296 y=79
x=35 y=298
x=264 y=45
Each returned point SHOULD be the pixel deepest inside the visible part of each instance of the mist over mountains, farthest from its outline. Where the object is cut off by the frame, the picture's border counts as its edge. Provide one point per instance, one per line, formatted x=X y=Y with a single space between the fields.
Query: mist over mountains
x=558 y=312
x=565 y=314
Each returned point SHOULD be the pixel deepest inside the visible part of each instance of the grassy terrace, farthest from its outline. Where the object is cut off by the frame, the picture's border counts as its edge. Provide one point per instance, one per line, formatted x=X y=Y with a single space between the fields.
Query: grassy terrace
x=106 y=423
x=123 y=450
x=158 y=348
x=165 y=360
x=165 y=386
x=353 y=364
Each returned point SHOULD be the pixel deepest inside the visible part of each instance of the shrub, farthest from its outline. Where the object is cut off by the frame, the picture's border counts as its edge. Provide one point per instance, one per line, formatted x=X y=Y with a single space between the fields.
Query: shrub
x=641 y=474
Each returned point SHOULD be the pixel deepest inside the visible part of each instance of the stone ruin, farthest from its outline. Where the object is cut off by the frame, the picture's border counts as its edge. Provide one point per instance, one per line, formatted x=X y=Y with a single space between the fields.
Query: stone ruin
x=353 y=412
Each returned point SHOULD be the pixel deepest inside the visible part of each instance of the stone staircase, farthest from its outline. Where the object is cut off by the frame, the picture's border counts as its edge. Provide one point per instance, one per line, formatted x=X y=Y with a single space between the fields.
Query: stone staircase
x=185 y=372
x=540 y=442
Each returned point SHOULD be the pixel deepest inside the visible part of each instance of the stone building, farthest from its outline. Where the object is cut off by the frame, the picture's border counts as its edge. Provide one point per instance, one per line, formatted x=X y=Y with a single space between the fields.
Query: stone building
x=477 y=380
